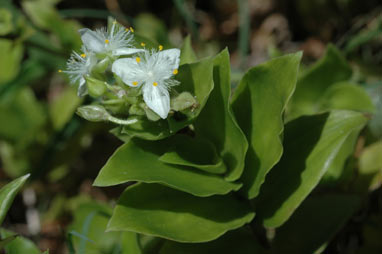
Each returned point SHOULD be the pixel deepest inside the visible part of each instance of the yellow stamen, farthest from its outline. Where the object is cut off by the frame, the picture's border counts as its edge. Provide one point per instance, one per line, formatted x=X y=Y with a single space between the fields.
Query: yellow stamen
x=155 y=83
x=132 y=29
x=138 y=59
x=143 y=44
x=107 y=41
x=60 y=71
x=114 y=22
x=175 y=71
x=135 y=83
x=83 y=55
x=160 y=47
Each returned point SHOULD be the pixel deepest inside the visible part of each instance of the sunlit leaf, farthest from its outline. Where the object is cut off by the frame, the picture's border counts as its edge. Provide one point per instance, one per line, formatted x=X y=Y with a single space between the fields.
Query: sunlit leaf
x=258 y=104
x=194 y=152
x=187 y=54
x=311 y=145
x=240 y=241
x=217 y=123
x=161 y=211
x=19 y=245
x=138 y=160
x=8 y=194
x=330 y=69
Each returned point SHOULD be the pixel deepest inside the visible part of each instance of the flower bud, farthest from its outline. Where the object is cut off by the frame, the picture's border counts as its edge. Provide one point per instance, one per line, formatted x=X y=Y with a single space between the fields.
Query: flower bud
x=94 y=113
x=183 y=101
x=96 y=88
x=101 y=66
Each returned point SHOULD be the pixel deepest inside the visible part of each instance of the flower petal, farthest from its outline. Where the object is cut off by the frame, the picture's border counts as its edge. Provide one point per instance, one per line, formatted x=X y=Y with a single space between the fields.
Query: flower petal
x=129 y=71
x=126 y=51
x=173 y=55
x=157 y=99
x=92 y=40
x=82 y=89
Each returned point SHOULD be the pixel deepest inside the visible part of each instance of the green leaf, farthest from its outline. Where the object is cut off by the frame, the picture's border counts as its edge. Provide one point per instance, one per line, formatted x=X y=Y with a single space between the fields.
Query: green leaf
x=369 y=175
x=311 y=145
x=346 y=95
x=332 y=68
x=240 y=241
x=19 y=245
x=88 y=229
x=45 y=16
x=375 y=92
x=24 y=117
x=258 y=104
x=138 y=160
x=338 y=172
x=6 y=25
x=149 y=26
x=130 y=243
x=11 y=56
x=8 y=194
x=195 y=78
x=187 y=54
x=217 y=123
x=157 y=210
x=314 y=223
x=5 y=241
x=63 y=107
x=194 y=152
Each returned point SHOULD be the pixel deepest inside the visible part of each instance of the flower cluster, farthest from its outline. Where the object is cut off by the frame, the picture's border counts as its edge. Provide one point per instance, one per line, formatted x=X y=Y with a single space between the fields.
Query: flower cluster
x=125 y=80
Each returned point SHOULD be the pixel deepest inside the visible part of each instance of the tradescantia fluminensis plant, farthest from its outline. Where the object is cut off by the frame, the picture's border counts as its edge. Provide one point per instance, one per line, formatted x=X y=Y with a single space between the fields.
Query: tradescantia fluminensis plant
x=204 y=160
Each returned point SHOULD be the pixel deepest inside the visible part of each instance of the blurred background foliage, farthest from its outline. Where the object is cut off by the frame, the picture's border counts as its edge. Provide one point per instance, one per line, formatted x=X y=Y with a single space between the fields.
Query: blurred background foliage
x=40 y=134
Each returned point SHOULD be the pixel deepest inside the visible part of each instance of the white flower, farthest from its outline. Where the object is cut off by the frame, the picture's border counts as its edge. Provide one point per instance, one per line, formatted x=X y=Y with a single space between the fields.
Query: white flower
x=78 y=66
x=153 y=71
x=115 y=41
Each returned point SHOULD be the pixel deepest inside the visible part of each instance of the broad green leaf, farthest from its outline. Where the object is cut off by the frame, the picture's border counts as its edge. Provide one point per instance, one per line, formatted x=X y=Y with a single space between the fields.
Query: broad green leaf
x=18 y=245
x=195 y=78
x=369 y=175
x=11 y=56
x=332 y=68
x=314 y=223
x=15 y=162
x=311 y=145
x=5 y=241
x=149 y=26
x=117 y=131
x=130 y=243
x=217 y=123
x=258 y=104
x=346 y=95
x=157 y=210
x=8 y=194
x=375 y=92
x=339 y=172
x=6 y=25
x=187 y=54
x=63 y=107
x=194 y=152
x=146 y=129
x=44 y=15
x=88 y=229
x=23 y=115
x=240 y=241
x=138 y=160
